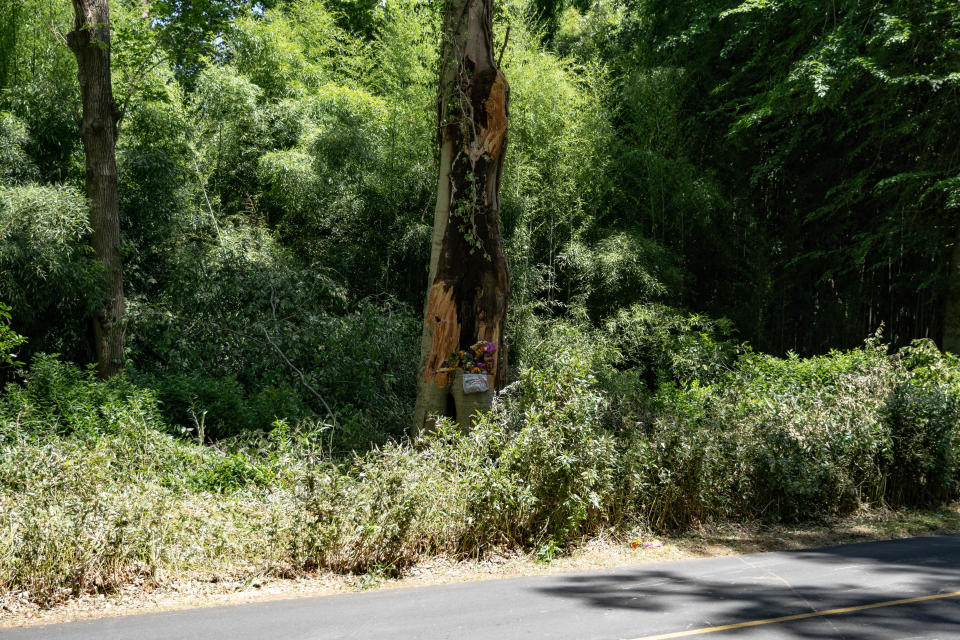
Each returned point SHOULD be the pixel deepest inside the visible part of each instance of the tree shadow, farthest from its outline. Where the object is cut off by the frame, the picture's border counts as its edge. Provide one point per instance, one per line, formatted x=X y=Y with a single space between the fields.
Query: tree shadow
x=736 y=589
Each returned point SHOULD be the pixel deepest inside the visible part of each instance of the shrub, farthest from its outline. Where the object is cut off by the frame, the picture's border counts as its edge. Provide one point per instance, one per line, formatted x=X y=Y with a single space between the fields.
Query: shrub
x=220 y=407
x=10 y=340
x=555 y=463
x=99 y=492
x=246 y=300
x=15 y=165
x=923 y=416
x=47 y=270
x=923 y=464
x=668 y=345
x=776 y=439
x=60 y=399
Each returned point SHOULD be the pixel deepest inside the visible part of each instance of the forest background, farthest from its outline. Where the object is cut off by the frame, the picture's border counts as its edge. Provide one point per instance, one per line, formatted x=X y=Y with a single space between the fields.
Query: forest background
x=707 y=206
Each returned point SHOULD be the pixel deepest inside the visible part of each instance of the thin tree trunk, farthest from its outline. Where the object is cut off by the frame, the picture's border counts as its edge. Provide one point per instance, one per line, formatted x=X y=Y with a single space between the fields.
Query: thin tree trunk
x=469 y=283
x=90 y=43
x=951 y=320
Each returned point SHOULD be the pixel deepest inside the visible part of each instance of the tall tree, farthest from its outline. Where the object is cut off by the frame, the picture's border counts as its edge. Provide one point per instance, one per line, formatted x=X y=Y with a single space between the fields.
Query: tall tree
x=90 y=43
x=469 y=283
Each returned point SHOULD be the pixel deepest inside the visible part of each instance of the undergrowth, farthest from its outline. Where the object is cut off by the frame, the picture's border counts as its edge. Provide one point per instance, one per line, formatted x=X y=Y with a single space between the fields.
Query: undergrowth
x=96 y=490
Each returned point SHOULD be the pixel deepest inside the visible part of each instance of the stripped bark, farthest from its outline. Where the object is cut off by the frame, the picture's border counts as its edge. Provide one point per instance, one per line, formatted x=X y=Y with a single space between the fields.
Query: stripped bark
x=469 y=283
x=90 y=43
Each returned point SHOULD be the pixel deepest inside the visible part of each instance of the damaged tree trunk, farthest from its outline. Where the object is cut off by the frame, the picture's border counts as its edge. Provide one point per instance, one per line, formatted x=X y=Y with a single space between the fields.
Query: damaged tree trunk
x=469 y=283
x=90 y=43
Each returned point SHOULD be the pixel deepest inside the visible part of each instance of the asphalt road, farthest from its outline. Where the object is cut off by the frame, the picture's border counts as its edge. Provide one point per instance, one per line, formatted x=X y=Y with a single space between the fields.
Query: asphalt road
x=687 y=599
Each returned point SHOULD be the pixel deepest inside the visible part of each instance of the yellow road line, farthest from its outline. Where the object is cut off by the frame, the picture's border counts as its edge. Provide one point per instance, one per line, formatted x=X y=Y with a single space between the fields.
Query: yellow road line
x=798 y=616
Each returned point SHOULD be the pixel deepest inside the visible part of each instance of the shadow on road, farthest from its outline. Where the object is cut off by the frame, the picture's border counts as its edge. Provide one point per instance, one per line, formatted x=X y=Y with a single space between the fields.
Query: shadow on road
x=781 y=584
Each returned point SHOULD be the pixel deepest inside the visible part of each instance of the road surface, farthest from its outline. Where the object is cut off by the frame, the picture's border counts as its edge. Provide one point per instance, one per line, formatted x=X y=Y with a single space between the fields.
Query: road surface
x=873 y=591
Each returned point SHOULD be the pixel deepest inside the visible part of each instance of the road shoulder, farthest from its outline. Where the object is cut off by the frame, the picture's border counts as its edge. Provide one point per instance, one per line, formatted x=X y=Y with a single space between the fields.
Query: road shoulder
x=607 y=552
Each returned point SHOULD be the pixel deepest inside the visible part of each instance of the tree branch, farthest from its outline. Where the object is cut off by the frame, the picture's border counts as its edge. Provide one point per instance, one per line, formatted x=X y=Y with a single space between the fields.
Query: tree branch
x=506 y=39
x=303 y=378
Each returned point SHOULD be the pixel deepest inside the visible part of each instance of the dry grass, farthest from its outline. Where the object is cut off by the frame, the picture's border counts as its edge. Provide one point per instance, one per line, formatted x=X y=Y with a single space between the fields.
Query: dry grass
x=145 y=596
x=102 y=510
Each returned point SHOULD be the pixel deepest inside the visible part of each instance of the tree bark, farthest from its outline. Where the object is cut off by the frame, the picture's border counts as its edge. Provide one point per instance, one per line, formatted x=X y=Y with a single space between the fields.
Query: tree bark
x=90 y=43
x=469 y=283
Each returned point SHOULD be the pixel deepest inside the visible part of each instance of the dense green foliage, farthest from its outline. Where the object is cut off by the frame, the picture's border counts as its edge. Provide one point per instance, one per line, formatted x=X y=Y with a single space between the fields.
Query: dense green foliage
x=695 y=192
x=277 y=178
x=823 y=140
x=747 y=161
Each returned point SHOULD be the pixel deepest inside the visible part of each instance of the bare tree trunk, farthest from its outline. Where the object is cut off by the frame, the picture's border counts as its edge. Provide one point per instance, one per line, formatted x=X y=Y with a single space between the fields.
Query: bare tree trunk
x=469 y=283
x=90 y=43
x=951 y=320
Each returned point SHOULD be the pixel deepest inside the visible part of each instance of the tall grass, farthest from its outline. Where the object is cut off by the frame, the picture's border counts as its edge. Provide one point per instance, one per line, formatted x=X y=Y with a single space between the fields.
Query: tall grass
x=95 y=492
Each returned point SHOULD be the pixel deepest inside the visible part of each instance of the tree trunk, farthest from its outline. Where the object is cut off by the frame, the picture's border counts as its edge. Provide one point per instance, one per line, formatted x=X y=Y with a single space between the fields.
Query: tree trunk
x=951 y=320
x=90 y=43
x=469 y=283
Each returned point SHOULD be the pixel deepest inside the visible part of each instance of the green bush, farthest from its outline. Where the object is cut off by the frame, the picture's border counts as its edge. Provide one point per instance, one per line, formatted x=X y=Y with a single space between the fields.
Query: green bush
x=221 y=407
x=923 y=416
x=247 y=300
x=667 y=345
x=554 y=462
x=772 y=439
x=15 y=165
x=47 y=270
x=59 y=399
x=10 y=340
x=924 y=465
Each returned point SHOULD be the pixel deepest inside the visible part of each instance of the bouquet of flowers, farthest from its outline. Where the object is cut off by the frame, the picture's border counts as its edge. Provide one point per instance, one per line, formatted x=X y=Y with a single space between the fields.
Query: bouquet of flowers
x=474 y=359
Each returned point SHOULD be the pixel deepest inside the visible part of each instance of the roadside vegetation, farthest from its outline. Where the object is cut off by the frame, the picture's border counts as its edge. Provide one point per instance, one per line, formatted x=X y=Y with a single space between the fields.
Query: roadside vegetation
x=692 y=283
x=97 y=490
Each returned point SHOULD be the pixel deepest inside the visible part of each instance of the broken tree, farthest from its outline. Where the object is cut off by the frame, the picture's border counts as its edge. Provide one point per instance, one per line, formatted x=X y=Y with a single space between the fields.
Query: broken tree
x=469 y=283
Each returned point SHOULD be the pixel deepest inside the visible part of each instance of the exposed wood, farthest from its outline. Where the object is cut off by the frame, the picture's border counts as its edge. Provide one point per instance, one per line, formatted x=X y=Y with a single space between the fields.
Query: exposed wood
x=445 y=336
x=469 y=282
x=496 y=107
x=90 y=43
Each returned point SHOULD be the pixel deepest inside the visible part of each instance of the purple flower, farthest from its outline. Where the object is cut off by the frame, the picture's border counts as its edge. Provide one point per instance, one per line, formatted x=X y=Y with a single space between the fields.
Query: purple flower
x=491 y=347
